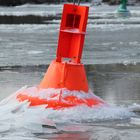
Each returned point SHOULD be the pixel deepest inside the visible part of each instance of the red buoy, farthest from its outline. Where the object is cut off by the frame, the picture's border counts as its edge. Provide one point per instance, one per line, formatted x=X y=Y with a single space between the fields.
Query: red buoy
x=65 y=84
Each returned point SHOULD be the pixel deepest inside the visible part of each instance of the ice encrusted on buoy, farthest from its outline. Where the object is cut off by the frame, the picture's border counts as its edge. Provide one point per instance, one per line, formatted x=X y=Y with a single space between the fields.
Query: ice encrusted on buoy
x=55 y=93
x=59 y=98
x=19 y=115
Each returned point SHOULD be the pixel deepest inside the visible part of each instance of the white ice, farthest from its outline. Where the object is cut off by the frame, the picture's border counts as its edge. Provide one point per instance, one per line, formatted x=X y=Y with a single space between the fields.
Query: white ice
x=24 y=120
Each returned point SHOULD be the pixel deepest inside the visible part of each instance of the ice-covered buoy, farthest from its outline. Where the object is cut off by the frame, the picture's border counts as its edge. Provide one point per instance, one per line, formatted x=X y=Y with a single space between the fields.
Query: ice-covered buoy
x=65 y=84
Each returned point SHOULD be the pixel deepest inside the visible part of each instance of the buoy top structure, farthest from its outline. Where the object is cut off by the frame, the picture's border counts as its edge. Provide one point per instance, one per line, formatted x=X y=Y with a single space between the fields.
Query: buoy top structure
x=65 y=84
x=72 y=32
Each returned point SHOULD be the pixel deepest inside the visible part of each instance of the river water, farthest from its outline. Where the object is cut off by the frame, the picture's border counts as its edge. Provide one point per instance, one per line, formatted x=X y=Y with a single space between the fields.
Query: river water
x=28 y=40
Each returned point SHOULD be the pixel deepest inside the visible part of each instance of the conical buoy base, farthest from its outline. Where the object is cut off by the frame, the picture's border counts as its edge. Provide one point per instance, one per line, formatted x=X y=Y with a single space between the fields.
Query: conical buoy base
x=65 y=75
x=64 y=85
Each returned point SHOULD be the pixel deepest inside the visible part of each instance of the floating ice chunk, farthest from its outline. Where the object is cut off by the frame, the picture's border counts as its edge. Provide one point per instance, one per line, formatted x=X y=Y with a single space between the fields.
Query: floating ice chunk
x=12 y=97
x=35 y=52
x=85 y=114
x=126 y=62
x=135 y=121
x=135 y=107
x=74 y=128
x=4 y=128
x=14 y=137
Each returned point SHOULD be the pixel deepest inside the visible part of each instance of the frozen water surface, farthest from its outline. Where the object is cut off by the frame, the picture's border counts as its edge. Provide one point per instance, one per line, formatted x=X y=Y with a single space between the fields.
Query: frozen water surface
x=110 y=44
x=112 y=38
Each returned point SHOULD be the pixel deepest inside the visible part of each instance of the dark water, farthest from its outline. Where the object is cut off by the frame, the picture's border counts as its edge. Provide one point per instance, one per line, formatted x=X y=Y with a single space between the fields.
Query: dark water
x=29 y=19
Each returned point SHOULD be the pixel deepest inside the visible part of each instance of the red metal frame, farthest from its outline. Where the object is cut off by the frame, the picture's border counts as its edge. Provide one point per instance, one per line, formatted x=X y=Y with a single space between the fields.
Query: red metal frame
x=72 y=32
